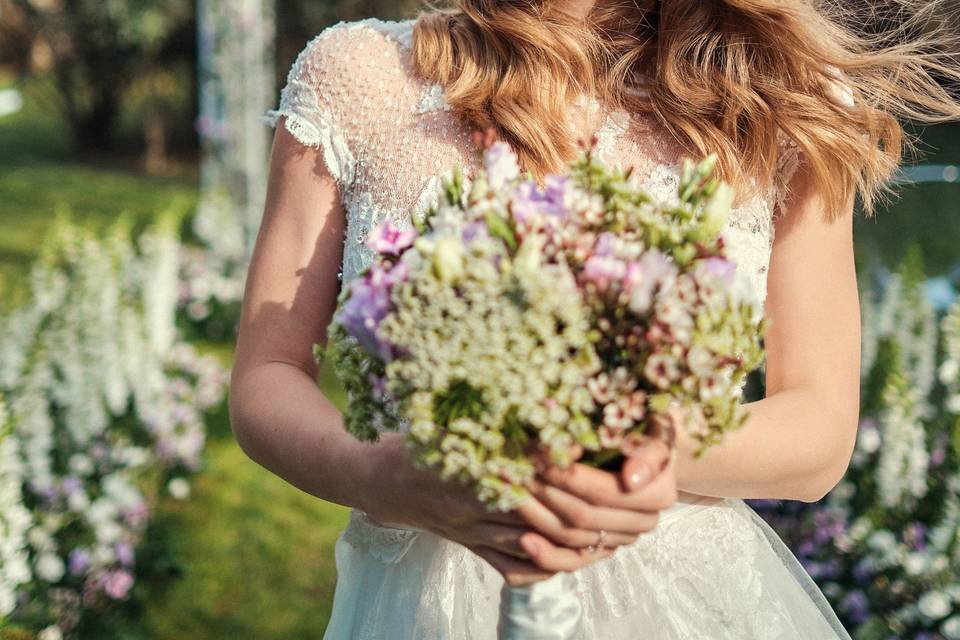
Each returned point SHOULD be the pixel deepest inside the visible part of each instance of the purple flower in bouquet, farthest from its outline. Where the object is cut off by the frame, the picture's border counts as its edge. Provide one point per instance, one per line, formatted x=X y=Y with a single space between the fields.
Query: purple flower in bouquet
x=475 y=231
x=604 y=269
x=534 y=208
x=724 y=269
x=369 y=304
x=559 y=191
x=390 y=240
x=643 y=276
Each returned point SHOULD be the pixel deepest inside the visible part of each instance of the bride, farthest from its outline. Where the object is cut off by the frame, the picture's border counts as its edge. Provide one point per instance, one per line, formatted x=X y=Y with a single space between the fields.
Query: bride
x=801 y=110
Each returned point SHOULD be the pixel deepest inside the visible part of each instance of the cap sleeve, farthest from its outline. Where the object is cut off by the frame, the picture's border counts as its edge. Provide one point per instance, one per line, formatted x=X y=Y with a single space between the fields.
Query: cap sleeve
x=316 y=97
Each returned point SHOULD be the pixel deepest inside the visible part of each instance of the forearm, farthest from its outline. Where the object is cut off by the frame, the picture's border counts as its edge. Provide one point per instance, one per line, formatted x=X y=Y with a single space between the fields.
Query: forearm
x=284 y=423
x=793 y=446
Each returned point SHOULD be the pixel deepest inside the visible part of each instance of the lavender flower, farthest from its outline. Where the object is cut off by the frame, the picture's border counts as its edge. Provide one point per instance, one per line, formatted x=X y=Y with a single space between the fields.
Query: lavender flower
x=368 y=305
x=388 y=239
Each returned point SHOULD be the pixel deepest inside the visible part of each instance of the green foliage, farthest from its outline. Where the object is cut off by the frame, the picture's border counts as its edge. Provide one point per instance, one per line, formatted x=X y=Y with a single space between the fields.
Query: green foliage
x=100 y=48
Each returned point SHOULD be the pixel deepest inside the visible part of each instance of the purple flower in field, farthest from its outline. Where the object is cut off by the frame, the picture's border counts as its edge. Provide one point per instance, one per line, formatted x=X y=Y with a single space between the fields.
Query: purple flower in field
x=815 y=569
x=69 y=485
x=500 y=163
x=78 y=561
x=862 y=572
x=388 y=239
x=916 y=535
x=722 y=268
x=856 y=606
x=368 y=305
x=136 y=516
x=806 y=548
x=938 y=455
x=124 y=551
x=644 y=275
x=117 y=583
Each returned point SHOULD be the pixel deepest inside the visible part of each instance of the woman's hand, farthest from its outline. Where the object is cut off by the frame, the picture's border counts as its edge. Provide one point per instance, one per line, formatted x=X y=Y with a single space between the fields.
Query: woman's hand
x=572 y=506
x=406 y=495
x=551 y=532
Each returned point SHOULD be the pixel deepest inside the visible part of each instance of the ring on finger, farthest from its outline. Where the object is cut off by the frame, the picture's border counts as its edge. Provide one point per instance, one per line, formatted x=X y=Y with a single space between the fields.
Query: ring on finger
x=599 y=543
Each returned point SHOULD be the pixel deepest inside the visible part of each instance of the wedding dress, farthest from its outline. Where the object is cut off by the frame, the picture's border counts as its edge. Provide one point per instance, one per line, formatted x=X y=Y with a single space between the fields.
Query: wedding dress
x=712 y=568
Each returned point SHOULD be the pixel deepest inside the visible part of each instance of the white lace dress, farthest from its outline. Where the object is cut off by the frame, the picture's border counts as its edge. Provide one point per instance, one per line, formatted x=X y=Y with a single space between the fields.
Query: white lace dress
x=712 y=568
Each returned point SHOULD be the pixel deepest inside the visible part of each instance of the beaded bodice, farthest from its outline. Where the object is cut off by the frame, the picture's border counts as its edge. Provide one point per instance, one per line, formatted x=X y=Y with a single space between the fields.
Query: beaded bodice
x=387 y=136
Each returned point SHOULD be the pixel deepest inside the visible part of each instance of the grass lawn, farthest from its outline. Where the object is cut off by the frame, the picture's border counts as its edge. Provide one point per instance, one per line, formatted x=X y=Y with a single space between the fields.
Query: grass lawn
x=254 y=554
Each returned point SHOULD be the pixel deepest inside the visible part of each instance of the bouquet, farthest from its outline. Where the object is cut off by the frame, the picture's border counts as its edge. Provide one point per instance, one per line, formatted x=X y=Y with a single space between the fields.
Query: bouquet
x=518 y=318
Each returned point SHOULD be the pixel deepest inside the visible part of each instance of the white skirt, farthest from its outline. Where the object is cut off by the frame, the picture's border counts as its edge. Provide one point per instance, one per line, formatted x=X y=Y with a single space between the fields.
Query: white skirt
x=712 y=569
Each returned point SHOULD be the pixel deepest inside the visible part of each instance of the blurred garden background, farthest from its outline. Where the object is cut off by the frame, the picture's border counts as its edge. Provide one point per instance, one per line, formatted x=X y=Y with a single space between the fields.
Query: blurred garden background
x=132 y=167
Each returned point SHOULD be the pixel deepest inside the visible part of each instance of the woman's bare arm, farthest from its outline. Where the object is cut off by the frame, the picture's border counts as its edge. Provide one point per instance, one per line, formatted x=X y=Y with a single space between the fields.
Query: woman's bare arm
x=798 y=440
x=278 y=415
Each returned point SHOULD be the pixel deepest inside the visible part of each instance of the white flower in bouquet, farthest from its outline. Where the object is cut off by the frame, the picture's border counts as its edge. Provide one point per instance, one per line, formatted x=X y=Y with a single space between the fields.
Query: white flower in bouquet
x=518 y=317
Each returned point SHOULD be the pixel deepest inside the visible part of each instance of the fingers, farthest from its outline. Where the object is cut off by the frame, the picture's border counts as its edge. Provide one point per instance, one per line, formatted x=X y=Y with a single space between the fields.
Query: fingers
x=515 y=572
x=603 y=488
x=572 y=522
x=550 y=557
x=503 y=539
x=648 y=460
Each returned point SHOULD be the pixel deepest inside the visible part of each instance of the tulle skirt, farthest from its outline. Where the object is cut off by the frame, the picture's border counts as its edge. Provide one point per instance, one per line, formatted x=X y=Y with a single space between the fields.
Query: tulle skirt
x=712 y=569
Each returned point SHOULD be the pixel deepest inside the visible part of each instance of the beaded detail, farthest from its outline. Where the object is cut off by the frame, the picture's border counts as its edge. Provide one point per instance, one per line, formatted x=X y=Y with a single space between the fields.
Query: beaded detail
x=387 y=134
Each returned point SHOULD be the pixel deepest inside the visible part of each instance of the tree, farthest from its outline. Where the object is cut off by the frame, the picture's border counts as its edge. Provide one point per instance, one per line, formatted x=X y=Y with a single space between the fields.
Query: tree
x=99 y=47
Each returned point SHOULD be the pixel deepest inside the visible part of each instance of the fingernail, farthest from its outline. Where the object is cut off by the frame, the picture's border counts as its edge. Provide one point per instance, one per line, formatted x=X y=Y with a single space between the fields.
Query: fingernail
x=529 y=546
x=639 y=477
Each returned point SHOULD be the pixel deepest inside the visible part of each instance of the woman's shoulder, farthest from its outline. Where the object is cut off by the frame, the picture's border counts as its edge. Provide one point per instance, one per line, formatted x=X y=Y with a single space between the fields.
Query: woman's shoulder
x=344 y=85
x=349 y=46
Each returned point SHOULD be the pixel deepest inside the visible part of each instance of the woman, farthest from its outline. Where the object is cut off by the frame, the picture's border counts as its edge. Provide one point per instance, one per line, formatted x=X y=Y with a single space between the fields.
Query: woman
x=801 y=111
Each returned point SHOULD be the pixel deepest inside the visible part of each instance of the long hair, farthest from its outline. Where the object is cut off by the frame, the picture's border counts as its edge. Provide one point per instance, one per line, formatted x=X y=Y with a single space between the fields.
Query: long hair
x=724 y=76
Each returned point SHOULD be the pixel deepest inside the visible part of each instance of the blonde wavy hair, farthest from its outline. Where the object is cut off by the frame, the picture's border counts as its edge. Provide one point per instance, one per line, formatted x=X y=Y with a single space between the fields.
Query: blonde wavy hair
x=723 y=76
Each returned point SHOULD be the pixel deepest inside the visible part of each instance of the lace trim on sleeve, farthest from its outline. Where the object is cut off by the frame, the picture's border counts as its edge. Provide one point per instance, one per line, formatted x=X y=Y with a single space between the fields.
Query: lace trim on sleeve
x=307 y=117
x=315 y=129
